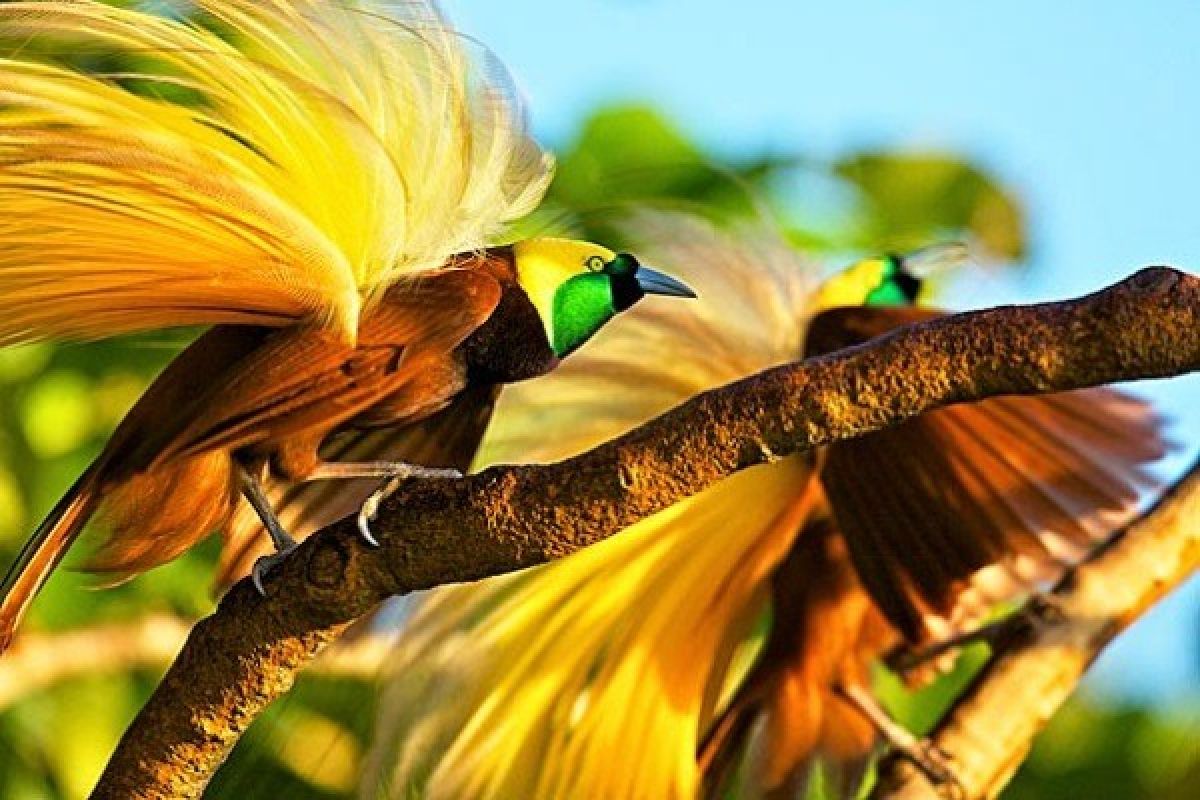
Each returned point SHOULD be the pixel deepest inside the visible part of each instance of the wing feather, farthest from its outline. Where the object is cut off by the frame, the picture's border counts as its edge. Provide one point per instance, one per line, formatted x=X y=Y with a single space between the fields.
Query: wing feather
x=1023 y=483
x=447 y=439
x=298 y=381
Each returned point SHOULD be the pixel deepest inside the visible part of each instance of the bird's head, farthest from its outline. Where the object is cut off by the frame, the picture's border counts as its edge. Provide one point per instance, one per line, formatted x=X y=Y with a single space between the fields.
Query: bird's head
x=577 y=287
x=889 y=280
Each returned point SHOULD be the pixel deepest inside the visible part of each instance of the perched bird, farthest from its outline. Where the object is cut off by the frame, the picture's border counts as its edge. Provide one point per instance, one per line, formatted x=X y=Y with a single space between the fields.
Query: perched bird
x=322 y=184
x=920 y=531
x=724 y=643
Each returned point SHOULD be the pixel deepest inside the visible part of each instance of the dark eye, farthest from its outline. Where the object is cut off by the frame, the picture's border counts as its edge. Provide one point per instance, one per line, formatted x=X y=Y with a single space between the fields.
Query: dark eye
x=622 y=264
x=594 y=264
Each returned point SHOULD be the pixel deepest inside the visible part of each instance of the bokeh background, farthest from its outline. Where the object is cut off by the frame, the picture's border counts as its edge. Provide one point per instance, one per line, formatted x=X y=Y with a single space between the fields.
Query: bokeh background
x=1059 y=139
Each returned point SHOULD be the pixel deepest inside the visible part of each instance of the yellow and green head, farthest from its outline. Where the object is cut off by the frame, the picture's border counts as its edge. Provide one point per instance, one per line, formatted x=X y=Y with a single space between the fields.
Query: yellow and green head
x=889 y=280
x=577 y=287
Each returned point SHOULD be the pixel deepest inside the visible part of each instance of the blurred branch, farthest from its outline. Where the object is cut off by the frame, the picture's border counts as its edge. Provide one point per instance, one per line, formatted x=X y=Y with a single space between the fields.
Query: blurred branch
x=506 y=518
x=38 y=661
x=989 y=730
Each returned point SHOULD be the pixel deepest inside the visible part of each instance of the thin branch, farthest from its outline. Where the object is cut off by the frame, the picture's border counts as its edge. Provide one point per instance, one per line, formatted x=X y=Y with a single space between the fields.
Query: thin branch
x=38 y=661
x=989 y=730
x=506 y=518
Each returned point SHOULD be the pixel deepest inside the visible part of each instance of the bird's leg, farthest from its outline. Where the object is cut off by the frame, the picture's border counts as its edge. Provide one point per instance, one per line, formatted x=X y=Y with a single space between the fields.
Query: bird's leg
x=252 y=490
x=1040 y=611
x=393 y=471
x=921 y=752
x=348 y=470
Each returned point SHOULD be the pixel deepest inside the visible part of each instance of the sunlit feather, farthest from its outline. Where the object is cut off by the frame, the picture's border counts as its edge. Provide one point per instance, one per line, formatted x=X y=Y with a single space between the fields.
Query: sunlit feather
x=313 y=153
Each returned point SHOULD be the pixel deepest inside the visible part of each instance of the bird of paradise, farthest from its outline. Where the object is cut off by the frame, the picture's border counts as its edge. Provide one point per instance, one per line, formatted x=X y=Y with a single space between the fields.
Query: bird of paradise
x=324 y=186
x=726 y=642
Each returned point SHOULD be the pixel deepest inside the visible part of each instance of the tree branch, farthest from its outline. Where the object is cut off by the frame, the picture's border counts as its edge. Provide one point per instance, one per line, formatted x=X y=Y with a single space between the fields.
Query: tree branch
x=989 y=730
x=510 y=517
x=37 y=661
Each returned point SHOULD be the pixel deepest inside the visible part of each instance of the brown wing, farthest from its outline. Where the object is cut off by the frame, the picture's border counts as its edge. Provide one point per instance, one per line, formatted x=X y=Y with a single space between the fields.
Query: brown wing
x=1027 y=482
x=449 y=438
x=303 y=379
x=850 y=325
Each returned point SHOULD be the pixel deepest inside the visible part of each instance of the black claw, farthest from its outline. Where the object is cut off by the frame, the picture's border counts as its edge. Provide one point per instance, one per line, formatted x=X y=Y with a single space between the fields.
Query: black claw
x=264 y=565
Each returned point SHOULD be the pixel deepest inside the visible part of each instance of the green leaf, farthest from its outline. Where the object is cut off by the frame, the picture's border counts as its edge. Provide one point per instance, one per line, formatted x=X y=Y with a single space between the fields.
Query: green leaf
x=910 y=199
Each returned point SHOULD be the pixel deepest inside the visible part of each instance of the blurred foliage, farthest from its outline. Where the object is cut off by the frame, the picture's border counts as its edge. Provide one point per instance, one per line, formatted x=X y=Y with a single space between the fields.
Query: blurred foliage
x=58 y=402
x=910 y=198
x=1128 y=753
x=630 y=155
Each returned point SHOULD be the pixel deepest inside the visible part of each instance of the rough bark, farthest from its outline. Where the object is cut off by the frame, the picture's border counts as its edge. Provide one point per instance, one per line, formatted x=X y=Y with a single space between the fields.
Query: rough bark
x=988 y=732
x=432 y=532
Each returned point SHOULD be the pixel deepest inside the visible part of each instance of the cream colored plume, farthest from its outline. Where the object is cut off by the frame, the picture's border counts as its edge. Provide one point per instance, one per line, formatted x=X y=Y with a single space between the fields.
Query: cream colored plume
x=592 y=677
x=310 y=154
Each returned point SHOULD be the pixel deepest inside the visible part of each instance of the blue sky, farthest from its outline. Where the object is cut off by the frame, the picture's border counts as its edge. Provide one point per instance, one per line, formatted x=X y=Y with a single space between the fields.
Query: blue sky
x=1088 y=109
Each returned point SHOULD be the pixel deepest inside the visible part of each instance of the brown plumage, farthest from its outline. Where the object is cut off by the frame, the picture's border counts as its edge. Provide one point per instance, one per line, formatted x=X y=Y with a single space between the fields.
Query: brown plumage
x=827 y=632
x=320 y=182
x=924 y=527
x=267 y=401
x=447 y=439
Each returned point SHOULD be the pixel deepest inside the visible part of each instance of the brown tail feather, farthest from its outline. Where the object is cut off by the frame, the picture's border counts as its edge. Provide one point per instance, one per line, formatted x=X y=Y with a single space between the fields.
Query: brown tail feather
x=44 y=550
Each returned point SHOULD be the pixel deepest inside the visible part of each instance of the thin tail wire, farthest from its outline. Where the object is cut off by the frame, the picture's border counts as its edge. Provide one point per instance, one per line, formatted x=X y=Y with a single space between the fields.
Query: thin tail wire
x=44 y=550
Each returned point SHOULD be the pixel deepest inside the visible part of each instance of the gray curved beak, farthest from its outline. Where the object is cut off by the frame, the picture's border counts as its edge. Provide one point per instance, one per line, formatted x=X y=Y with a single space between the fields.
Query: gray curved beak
x=654 y=282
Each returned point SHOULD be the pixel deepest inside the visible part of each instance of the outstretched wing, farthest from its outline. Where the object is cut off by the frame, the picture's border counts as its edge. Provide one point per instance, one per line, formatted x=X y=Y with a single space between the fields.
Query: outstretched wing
x=254 y=161
x=1023 y=483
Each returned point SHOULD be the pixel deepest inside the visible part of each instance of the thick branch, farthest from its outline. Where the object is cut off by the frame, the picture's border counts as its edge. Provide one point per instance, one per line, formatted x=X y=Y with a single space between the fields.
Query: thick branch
x=989 y=731
x=506 y=518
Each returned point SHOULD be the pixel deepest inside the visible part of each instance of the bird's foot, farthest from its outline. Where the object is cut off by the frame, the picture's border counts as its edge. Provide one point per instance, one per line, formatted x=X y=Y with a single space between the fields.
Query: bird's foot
x=404 y=471
x=401 y=473
x=1042 y=611
x=265 y=564
x=924 y=754
x=934 y=763
x=350 y=470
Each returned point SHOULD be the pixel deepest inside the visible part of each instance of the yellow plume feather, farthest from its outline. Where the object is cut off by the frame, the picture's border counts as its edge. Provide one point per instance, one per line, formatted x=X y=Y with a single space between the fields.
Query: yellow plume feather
x=595 y=676
x=320 y=151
